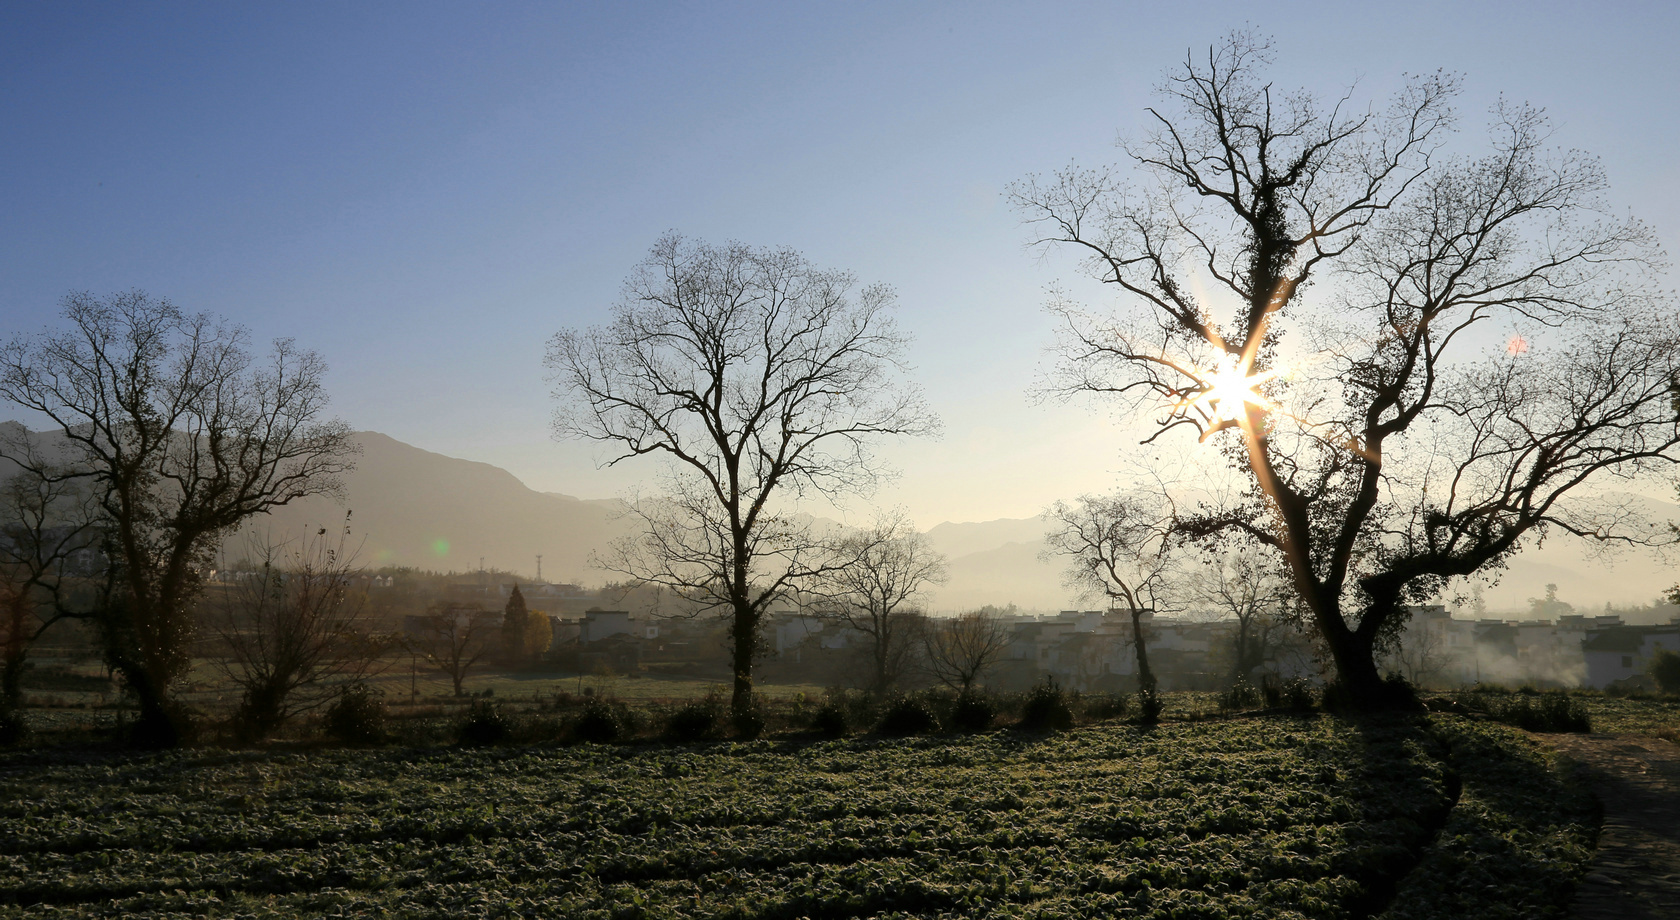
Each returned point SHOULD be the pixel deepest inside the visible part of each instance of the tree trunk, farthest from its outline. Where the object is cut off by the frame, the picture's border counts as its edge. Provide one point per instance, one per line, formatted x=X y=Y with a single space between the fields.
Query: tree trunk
x=259 y=711
x=1146 y=677
x=162 y=724
x=11 y=685
x=744 y=631
x=16 y=655
x=1359 y=685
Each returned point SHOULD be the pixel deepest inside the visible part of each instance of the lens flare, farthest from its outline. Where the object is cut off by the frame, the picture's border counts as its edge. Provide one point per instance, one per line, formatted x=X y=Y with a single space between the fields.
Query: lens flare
x=1229 y=390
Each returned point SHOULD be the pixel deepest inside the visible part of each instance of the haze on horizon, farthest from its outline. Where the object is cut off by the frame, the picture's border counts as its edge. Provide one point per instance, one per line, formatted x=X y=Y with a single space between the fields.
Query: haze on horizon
x=425 y=193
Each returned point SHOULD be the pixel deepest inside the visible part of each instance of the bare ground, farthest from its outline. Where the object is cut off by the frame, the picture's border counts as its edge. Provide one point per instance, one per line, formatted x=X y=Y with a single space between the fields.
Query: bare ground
x=1635 y=874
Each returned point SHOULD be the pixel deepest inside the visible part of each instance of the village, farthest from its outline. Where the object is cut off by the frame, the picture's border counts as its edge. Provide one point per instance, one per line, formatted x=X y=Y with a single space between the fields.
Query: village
x=637 y=632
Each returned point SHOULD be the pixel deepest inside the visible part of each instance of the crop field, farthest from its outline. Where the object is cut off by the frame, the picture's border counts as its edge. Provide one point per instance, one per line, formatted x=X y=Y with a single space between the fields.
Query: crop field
x=1276 y=816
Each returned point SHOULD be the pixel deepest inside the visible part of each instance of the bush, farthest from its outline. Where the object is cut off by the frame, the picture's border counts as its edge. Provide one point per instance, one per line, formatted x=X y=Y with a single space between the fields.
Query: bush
x=484 y=724
x=1295 y=693
x=598 y=723
x=1045 y=709
x=1240 y=695
x=1542 y=712
x=974 y=712
x=749 y=723
x=1150 y=705
x=908 y=715
x=830 y=719
x=699 y=720
x=13 y=730
x=1664 y=668
x=357 y=716
x=1107 y=706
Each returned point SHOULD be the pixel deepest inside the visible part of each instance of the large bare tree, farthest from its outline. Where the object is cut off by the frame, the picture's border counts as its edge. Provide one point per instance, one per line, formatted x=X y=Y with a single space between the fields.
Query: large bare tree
x=1416 y=360
x=878 y=575
x=760 y=379
x=182 y=434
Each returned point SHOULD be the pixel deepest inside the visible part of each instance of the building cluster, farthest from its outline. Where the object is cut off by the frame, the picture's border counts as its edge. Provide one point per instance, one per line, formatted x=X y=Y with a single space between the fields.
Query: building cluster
x=1087 y=650
x=1573 y=650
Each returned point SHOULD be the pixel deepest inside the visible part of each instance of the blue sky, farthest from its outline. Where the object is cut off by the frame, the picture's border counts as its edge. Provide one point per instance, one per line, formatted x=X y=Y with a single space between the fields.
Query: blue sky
x=425 y=192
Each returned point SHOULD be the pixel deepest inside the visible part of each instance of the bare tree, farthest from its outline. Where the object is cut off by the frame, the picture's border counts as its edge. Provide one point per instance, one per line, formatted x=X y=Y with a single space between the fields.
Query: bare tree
x=960 y=650
x=294 y=629
x=1118 y=548
x=1421 y=655
x=1247 y=587
x=760 y=378
x=876 y=578
x=48 y=536
x=452 y=638
x=183 y=436
x=1389 y=446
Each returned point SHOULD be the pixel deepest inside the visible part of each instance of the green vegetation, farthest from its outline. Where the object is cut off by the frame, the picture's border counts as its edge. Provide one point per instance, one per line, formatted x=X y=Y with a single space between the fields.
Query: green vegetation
x=1281 y=816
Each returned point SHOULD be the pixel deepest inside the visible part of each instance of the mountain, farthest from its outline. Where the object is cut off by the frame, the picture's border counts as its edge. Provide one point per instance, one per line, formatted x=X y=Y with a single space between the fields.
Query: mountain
x=413 y=507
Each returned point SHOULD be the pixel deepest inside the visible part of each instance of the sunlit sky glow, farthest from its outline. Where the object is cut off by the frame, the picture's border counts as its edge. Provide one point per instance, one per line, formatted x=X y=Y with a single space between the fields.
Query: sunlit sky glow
x=426 y=192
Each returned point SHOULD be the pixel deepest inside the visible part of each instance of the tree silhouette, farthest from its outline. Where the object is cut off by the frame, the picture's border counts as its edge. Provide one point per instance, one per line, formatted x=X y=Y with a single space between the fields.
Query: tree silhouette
x=1415 y=360
x=877 y=575
x=182 y=436
x=760 y=378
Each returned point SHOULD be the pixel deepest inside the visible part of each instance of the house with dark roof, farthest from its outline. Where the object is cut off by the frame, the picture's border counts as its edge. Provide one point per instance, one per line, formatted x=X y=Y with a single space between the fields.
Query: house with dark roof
x=1621 y=652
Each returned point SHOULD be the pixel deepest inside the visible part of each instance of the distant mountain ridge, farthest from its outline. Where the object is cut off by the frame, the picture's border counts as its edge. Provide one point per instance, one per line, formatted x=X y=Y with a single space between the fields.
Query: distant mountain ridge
x=414 y=507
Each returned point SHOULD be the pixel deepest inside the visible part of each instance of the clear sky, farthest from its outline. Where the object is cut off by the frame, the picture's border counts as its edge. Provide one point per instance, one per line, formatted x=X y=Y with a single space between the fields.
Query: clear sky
x=425 y=192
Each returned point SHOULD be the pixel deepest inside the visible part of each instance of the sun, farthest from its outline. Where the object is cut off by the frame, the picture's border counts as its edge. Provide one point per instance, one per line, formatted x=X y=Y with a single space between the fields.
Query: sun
x=1228 y=390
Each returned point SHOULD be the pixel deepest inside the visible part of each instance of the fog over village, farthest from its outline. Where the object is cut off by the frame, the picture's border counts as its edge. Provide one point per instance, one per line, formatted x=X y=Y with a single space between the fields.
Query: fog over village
x=782 y=461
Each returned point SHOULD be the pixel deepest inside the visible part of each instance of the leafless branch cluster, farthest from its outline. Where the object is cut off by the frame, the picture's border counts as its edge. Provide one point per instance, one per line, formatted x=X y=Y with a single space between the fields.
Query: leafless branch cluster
x=1348 y=274
x=182 y=434
x=761 y=378
x=875 y=577
x=958 y=651
x=294 y=629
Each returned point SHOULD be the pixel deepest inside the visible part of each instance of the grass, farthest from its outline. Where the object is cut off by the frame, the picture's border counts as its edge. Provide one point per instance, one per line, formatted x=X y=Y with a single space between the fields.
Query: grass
x=1278 y=816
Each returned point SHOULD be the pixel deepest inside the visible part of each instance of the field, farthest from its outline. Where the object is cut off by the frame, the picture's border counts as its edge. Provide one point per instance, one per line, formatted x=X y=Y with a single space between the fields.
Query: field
x=1276 y=816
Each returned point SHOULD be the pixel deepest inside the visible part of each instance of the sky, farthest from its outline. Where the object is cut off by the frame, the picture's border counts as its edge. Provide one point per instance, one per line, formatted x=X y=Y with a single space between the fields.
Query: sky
x=426 y=192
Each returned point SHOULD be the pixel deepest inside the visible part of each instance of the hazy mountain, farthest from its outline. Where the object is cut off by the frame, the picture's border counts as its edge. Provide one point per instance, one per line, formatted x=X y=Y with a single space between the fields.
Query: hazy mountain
x=997 y=562
x=955 y=540
x=417 y=508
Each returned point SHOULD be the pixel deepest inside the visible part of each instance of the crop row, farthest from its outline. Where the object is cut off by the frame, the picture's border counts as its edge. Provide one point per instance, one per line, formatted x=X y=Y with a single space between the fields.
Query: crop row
x=1279 y=816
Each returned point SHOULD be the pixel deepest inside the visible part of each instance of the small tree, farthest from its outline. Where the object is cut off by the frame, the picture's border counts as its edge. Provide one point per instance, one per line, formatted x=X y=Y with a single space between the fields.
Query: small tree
x=182 y=436
x=1244 y=586
x=294 y=628
x=539 y=634
x=515 y=624
x=960 y=650
x=876 y=576
x=760 y=378
x=1118 y=549
x=452 y=638
x=46 y=525
x=1664 y=668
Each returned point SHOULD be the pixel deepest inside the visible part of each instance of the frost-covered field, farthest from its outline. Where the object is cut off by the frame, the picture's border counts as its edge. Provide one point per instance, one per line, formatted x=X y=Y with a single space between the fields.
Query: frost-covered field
x=1275 y=816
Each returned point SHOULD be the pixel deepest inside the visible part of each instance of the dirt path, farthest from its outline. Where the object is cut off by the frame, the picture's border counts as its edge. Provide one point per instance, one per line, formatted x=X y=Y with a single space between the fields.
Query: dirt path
x=1636 y=872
